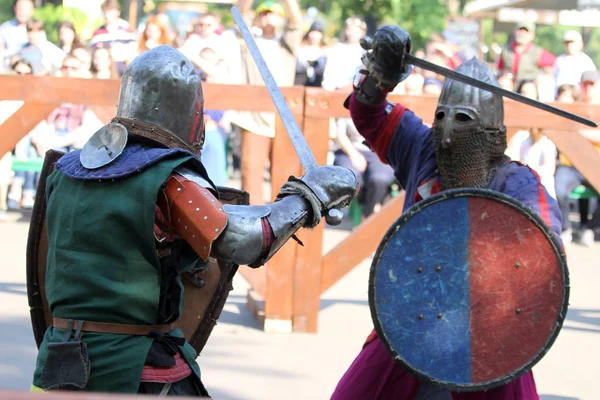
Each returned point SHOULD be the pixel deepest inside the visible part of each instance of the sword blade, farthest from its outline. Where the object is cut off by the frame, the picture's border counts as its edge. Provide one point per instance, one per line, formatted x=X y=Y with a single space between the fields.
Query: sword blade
x=302 y=149
x=497 y=90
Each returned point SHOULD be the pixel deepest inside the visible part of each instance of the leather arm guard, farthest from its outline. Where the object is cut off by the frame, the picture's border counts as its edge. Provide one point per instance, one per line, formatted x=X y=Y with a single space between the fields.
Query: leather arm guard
x=238 y=234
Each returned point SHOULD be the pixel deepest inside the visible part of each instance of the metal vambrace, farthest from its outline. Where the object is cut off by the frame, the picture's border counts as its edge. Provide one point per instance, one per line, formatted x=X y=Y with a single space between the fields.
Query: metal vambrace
x=242 y=241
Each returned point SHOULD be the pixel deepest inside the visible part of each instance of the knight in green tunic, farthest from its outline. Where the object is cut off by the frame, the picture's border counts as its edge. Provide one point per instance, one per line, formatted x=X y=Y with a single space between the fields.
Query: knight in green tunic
x=131 y=213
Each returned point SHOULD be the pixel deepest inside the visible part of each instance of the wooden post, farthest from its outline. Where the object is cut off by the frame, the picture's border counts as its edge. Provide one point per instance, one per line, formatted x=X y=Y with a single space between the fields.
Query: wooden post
x=280 y=269
x=307 y=271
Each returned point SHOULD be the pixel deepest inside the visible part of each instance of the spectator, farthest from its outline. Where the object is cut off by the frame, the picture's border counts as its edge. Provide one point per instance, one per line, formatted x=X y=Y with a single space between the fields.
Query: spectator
x=68 y=39
x=528 y=89
x=522 y=57
x=506 y=80
x=204 y=35
x=311 y=57
x=22 y=67
x=69 y=126
x=279 y=50
x=532 y=147
x=374 y=176
x=116 y=35
x=446 y=45
x=155 y=34
x=103 y=66
x=568 y=178
x=412 y=85
x=13 y=33
x=44 y=57
x=574 y=62
x=85 y=59
x=432 y=87
x=567 y=94
x=216 y=131
x=344 y=59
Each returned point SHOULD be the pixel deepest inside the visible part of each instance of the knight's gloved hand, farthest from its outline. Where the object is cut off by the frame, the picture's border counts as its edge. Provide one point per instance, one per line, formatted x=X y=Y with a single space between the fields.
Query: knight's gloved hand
x=324 y=188
x=385 y=57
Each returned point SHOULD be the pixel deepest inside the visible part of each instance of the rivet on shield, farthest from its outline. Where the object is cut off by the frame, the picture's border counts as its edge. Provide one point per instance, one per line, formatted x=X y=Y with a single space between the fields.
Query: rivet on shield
x=419 y=270
x=518 y=311
x=440 y=315
x=421 y=316
x=438 y=269
x=518 y=265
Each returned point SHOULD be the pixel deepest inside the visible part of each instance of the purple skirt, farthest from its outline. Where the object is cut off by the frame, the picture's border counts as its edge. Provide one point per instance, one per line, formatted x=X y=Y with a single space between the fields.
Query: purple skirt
x=375 y=375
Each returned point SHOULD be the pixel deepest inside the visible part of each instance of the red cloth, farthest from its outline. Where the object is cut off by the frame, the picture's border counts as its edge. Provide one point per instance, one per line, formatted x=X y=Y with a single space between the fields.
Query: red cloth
x=374 y=375
x=167 y=374
x=375 y=125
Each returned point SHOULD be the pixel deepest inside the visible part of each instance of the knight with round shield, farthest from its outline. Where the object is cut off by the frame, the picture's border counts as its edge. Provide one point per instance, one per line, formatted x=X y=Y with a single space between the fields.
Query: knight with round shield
x=469 y=287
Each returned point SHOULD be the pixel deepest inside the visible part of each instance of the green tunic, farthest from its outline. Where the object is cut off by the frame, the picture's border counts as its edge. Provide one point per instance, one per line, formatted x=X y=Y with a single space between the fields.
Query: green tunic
x=102 y=266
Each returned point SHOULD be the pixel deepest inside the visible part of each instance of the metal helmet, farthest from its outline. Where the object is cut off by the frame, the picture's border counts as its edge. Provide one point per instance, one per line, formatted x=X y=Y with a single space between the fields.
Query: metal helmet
x=161 y=99
x=469 y=131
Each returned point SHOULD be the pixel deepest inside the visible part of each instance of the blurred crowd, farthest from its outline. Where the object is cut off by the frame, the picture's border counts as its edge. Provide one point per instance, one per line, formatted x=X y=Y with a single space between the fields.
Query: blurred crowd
x=298 y=52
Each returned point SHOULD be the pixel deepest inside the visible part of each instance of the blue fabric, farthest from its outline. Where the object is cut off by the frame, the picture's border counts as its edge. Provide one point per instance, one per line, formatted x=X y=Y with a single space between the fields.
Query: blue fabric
x=214 y=157
x=134 y=158
x=412 y=155
x=438 y=347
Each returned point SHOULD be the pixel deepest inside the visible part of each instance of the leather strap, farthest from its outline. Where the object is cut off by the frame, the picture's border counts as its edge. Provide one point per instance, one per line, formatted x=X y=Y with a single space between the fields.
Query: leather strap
x=116 y=329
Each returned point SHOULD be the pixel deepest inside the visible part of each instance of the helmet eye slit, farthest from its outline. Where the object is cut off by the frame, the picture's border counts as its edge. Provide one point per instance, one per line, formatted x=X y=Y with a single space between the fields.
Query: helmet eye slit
x=462 y=117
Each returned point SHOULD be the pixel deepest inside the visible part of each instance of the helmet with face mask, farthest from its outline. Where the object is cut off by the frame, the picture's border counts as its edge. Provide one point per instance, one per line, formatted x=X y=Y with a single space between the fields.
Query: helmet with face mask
x=469 y=132
x=161 y=100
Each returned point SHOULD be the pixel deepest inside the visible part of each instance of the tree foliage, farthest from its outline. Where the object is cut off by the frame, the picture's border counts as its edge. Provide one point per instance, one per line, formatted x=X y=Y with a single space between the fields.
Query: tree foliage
x=53 y=15
x=419 y=17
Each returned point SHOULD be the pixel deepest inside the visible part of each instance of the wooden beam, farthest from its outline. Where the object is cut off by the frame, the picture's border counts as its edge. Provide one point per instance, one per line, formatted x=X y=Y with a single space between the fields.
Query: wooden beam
x=307 y=272
x=581 y=153
x=21 y=123
x=360 y=244
x=105 y=92
x=516 y=115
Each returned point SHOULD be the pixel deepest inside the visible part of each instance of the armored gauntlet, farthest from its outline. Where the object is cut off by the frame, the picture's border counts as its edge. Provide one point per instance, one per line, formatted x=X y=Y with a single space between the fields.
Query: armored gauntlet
x=385 y=64
x=324 y=188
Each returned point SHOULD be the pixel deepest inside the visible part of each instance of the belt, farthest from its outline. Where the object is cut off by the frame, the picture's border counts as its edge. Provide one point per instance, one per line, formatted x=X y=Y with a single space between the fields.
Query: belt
x=116 y=329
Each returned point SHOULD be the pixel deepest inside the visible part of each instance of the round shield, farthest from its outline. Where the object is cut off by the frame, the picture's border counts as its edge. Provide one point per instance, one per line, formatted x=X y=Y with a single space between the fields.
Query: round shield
x=468 y=289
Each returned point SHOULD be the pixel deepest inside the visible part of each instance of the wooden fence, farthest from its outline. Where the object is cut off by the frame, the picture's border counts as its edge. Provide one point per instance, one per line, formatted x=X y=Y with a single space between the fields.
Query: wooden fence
x=290 y=286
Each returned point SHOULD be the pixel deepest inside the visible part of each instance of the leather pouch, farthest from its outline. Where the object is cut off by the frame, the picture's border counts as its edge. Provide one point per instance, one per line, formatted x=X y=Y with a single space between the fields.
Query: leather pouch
x=67 y=364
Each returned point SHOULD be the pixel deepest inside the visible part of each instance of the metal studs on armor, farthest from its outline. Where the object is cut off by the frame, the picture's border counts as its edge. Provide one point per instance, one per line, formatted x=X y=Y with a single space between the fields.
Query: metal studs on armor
x=205 y=217
x=420 y=316
x=178 y=220
x=419 y=270
x=155 y=108
x=440 y=315
x=197 y=209
x=438 y=269
x=216 y=229
x=179 y=189
x=518 y=311
x=518 y=265
x=185 y=227
x=190 y=202
x=193 y=236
